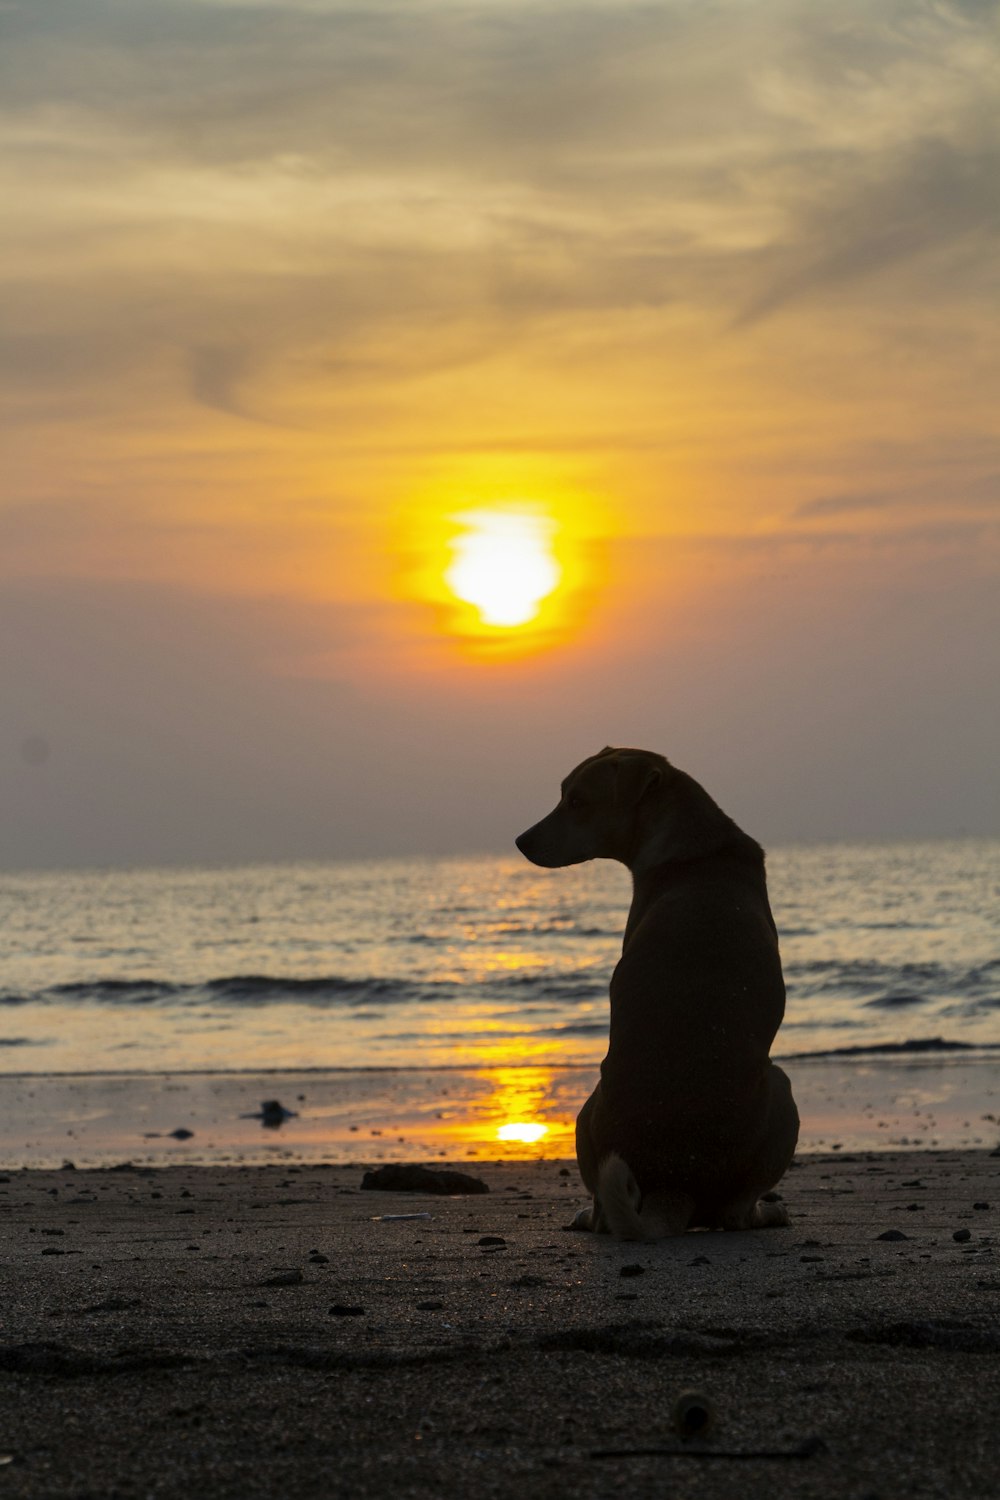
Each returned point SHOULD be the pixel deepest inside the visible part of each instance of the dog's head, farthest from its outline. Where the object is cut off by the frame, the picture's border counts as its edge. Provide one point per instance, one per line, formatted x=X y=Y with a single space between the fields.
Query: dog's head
x=601 y=811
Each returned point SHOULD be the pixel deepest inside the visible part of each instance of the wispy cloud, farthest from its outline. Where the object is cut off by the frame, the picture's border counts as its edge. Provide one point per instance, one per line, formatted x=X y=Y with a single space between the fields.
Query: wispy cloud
x=718 y=233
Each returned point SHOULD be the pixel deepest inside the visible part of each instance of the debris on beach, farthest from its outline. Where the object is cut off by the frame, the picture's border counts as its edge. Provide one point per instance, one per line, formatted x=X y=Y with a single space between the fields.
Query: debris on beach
x=272 y=1114
x=396 y=1178
x=694 y=1414
x=397 y=1218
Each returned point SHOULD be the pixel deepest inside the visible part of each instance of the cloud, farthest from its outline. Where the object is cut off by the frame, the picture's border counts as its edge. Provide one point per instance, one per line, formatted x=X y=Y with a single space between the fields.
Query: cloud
x=919 y=203
x=975 y=493
x=712 y=129
x=325 y=174
x=838 y=505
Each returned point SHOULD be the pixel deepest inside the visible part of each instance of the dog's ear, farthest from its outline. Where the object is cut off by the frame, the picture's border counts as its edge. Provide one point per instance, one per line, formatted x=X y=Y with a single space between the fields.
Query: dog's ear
x=636 y=774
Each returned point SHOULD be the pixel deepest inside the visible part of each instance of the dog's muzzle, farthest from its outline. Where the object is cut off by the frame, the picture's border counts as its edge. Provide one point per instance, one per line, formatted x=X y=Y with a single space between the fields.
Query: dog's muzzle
x=543 y=845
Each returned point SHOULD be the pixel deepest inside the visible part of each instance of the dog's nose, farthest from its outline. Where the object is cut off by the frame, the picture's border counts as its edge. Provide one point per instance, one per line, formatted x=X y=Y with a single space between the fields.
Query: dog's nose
x=519 y=842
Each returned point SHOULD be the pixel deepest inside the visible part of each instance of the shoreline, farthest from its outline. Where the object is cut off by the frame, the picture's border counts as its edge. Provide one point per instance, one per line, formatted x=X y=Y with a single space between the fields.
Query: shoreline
x=261 y=1330
x=912 y=1101
x=914 y=1048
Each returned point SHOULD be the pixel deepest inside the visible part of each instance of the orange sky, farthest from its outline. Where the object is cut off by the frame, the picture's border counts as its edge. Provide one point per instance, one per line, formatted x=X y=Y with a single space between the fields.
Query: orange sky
x=290 y=287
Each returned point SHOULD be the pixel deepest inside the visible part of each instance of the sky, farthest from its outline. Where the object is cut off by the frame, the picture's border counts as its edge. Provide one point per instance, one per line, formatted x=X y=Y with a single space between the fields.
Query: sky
x=299 y=298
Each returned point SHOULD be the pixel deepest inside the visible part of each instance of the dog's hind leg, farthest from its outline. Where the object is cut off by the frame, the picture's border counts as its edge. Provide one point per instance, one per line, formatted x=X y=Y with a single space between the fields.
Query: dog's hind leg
x=588 y=1154
x=779 y=1135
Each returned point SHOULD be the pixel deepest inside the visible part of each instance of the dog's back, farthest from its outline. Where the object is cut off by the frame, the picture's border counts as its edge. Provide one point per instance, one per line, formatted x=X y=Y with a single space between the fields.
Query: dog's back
x=696 y=1000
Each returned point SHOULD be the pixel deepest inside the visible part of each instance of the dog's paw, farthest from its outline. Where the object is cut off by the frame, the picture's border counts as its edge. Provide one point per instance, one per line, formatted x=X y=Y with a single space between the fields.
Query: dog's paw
x=583 y=1220
x=770 y=1216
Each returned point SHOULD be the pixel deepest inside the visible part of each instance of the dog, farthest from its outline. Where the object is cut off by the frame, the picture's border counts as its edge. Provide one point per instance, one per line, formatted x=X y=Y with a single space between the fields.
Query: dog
x=691 y=1122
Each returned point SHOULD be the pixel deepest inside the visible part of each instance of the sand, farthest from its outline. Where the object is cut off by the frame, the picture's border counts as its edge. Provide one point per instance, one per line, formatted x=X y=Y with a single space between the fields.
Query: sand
x=262 y=1332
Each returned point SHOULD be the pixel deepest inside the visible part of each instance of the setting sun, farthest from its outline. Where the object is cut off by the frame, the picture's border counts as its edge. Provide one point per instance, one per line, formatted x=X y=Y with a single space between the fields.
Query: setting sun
x=520 y=1130
x=503 y=565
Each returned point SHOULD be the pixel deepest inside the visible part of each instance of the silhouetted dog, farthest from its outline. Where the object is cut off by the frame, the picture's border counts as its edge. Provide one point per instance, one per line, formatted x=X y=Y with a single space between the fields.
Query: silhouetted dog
x=691 y=1121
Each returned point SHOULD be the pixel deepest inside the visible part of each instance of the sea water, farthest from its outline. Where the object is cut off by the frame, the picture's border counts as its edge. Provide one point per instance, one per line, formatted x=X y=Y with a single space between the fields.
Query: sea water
x=428 y=962
x=466 y=964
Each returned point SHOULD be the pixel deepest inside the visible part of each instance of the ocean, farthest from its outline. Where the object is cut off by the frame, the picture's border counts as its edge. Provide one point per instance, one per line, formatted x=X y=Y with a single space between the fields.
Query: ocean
x=398 y=983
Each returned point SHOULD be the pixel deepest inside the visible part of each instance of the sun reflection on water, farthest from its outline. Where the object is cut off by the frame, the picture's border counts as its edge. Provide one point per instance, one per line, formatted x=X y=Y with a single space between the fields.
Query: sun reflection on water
x=521 y=1110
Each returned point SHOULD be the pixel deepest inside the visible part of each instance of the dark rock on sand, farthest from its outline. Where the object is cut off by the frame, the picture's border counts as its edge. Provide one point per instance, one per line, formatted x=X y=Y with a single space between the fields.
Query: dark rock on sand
x=961 y=1235
x=892 y=1234
x=396 y=1178
x=273 y=1113
x=694 y=1414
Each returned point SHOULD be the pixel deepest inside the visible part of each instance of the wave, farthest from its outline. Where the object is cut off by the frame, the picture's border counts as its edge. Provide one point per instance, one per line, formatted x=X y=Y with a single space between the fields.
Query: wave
x=318 y=990
x=887 y=985
x=893 y=1049
x=233 y=989
x=895 y=1001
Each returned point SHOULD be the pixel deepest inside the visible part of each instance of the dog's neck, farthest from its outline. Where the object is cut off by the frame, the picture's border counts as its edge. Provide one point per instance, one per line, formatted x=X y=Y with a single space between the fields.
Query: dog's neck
x=688 y=831
x=681 y=823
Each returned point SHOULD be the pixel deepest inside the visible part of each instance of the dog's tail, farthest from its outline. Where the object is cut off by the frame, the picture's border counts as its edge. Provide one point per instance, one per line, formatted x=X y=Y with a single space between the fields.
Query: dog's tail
x=619 y=1199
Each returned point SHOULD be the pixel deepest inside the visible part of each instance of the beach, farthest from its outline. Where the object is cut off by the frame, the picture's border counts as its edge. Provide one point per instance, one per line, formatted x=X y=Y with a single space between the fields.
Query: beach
x=198 y=1296
x=278 y=1330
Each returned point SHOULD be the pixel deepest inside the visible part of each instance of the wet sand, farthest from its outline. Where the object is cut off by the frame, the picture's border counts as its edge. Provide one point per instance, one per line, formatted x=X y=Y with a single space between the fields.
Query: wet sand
x=938 y=1099
x=276 y=1331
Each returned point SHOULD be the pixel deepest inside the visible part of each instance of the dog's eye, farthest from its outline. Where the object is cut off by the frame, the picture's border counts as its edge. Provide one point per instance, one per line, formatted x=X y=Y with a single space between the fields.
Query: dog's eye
x=574 y=801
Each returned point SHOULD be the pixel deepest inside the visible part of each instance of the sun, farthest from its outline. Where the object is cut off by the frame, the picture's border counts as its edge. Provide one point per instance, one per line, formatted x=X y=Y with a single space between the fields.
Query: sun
x=523 y=1131
x=503 y=565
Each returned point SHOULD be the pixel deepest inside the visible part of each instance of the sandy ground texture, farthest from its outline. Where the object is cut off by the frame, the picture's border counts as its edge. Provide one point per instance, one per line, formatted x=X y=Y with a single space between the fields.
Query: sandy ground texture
x=279 y=1332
